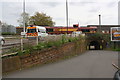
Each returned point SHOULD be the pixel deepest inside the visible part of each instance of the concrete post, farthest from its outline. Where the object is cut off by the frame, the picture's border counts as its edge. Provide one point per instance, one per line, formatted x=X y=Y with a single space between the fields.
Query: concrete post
x=21 y=43
x=37 y=40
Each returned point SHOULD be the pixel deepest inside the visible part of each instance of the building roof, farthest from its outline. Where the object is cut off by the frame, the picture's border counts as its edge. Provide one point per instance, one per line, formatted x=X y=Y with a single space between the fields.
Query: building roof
x=103 y=25
x=61 y=27
x=72 y=27
x=87 y=27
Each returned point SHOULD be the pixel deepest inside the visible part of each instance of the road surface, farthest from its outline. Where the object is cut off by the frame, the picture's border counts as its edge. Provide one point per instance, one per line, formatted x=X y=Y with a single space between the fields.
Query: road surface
x=92 y=64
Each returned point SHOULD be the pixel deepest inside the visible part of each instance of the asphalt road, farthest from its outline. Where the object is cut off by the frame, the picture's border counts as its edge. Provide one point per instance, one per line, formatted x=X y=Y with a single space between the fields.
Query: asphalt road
x=92 y=64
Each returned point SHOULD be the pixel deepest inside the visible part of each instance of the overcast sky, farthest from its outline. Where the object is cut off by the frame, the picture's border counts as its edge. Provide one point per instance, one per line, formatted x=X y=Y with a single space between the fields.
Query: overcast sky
x=83 y=11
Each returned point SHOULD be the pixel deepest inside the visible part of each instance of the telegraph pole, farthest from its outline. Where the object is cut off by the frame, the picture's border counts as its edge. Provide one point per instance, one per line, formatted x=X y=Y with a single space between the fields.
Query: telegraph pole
x=24 y=15
x=0 y=28
x=67 y=15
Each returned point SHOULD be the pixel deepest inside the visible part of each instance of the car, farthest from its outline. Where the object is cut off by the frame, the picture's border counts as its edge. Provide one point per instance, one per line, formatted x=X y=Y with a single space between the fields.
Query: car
x=2 y=40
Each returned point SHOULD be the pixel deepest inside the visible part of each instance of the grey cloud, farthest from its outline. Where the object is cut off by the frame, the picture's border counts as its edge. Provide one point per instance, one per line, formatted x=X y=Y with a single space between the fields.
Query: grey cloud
x=93 y=10
x=11 y=11
x=59 y=18
x=83 y=3
x=12 y=7
x=51 y=4
x=112 y=4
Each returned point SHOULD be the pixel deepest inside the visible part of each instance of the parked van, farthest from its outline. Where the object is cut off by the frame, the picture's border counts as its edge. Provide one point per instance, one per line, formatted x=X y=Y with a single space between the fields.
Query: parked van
x=36 y=31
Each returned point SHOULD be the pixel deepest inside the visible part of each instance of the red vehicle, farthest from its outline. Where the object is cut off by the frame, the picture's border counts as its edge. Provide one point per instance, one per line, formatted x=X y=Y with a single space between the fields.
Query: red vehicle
x=60 y=30
x=69 y=30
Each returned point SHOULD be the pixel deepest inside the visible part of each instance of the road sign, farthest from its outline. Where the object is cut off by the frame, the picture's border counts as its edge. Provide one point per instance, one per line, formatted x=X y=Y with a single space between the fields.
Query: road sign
x=115 y=33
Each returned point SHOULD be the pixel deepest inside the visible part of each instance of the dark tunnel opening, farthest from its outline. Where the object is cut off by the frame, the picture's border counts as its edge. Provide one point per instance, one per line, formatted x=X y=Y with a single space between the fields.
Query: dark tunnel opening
x=94 y=45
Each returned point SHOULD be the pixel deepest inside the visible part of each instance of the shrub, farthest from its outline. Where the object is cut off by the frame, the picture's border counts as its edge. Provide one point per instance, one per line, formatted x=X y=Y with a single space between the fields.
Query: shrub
x=40 y=46
x=28 y=49
x=11 y=50
x=64 y=39
x=58 y=43
x=72 y=39
x=20 y=53
x=7 y=33
x=117 y=49
x=14 y=49
x=49 y=44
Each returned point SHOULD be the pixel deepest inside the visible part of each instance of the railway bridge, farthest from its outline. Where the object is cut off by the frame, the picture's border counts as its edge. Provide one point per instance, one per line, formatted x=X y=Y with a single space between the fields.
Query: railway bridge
x=92 y=64
x=95 y=42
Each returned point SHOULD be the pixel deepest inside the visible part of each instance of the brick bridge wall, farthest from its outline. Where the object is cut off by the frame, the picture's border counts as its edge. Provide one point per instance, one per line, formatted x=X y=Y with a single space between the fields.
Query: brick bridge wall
x=100 y=40
x=43 y=57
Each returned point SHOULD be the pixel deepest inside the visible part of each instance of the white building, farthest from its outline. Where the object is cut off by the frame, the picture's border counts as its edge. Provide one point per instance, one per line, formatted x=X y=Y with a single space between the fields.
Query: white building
x=8 y=28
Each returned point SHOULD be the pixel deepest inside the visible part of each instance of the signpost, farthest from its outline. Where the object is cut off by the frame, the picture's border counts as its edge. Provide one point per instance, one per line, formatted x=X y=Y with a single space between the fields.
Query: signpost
x=115 y=33
x=115 y=36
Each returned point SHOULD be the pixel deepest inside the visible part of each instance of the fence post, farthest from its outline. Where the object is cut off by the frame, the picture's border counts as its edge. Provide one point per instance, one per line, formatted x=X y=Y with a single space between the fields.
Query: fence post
x=37 y=40
x=21 y=43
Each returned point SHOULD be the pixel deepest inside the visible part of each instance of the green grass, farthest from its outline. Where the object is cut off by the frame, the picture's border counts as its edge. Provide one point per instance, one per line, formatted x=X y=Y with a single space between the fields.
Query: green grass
x=28 y=49
x=8 y=33
x=117 y=49
x=43 y=45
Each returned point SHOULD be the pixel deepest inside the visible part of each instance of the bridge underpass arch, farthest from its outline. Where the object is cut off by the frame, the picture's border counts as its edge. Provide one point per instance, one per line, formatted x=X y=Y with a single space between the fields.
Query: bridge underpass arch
x=96 y=42
x=94 y=45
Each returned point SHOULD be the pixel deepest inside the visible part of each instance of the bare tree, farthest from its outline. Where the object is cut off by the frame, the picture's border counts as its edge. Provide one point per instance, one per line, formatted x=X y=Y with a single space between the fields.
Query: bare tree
x=26 y=17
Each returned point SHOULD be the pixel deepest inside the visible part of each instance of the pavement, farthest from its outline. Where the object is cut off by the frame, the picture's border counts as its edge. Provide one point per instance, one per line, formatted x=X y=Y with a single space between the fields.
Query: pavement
x=92 y=64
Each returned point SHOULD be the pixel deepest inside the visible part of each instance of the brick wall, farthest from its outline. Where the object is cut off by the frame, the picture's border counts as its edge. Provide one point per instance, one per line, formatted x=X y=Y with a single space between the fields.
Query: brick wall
x=43 y=56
